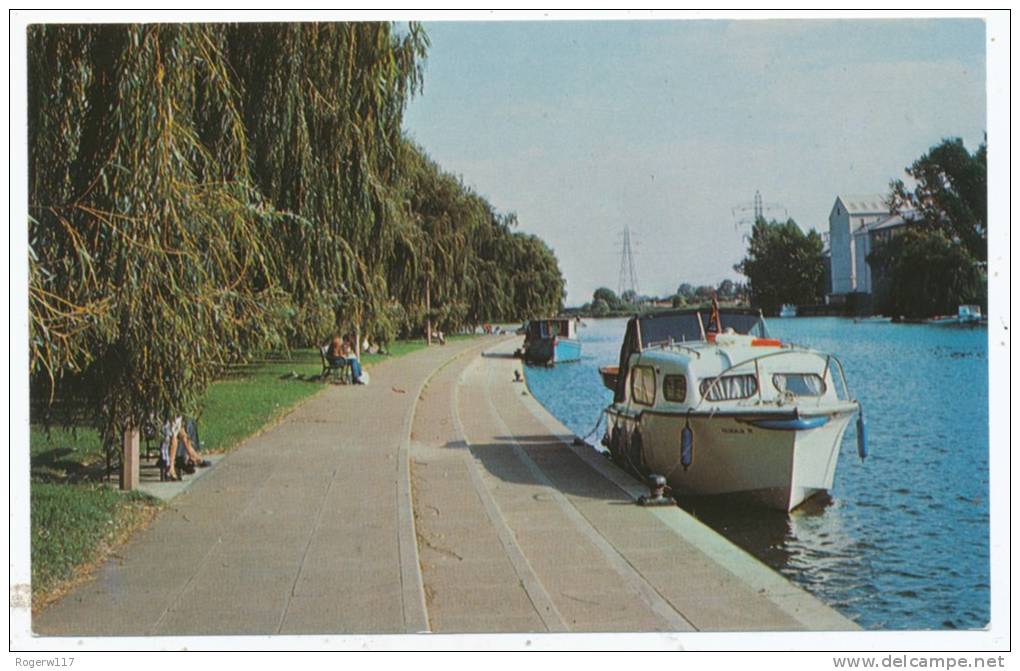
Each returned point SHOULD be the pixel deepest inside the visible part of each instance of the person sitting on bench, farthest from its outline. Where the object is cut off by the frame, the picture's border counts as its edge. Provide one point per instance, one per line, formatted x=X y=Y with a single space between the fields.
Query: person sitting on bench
x=175 y=432
x=347 y=350
x=335 y=353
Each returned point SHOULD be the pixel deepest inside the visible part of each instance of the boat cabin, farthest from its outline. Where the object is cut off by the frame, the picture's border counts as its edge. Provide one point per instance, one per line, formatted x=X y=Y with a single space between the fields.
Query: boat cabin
x=541 y=329
x=677 y=361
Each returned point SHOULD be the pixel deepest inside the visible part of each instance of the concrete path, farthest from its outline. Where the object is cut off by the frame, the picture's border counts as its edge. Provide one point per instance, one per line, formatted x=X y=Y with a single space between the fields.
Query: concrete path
x=440 y=498
x=305 y=528
x=520 y=531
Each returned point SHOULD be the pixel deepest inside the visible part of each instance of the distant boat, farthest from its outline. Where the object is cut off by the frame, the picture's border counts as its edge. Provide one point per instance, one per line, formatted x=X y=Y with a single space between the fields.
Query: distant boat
x=551 y=341
x=716 y=406
x=966 y=315
x=788 y=310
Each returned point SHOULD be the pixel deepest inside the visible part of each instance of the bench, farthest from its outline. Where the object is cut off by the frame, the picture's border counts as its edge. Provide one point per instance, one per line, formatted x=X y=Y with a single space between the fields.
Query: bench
x=338 y=370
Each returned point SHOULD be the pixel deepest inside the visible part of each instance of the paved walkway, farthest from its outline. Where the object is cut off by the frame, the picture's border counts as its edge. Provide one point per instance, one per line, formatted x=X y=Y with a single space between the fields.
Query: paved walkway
x=312 y=528
x=305 y=528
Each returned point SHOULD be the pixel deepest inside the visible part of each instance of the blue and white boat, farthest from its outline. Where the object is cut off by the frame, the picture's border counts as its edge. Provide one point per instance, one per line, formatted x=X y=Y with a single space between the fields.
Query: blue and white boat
x=788 y=310
x=550 y=341
x=709 y=401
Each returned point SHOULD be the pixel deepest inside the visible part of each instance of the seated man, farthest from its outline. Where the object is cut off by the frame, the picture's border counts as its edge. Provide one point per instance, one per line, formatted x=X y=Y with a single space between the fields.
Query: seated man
x=173 y=432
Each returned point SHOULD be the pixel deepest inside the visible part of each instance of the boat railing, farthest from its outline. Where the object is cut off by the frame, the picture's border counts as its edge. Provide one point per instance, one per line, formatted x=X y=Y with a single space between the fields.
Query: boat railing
x=671 y=344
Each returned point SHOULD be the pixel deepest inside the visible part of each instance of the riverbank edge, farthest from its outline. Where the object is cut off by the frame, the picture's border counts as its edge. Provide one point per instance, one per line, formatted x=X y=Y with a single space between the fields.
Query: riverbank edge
x=796 y=602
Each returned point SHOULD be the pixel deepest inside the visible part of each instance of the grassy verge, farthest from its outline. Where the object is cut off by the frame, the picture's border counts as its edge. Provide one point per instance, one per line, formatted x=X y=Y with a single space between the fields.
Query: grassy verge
x=77 y=520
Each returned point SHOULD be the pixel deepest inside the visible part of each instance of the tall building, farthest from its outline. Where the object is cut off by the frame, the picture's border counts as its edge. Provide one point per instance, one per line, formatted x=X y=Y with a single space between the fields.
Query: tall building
x=856 y=223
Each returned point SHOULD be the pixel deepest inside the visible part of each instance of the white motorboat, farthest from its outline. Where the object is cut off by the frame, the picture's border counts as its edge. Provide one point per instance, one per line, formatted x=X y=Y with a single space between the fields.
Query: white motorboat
x=788 y=310
x=708 y=400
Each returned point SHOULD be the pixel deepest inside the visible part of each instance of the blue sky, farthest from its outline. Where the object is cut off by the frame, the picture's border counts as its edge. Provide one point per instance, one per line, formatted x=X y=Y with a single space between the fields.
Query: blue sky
x=582 y=128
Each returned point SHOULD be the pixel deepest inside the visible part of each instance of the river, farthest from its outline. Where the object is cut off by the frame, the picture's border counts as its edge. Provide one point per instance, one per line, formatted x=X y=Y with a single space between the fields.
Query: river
x=902 y=540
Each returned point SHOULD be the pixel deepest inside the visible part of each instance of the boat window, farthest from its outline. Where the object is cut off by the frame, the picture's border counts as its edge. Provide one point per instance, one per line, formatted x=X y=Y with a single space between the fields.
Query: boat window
x=674 y=388
x=642 y=385
x=835 y=375
x=729 y=388
x=799 y=384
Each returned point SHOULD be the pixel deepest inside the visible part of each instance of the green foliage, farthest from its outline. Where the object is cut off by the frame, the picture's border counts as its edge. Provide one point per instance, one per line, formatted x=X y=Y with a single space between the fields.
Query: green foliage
x=924 y=273
x=951 y=194
x=704 y=293
x=200 y=194
x=783 y=265
x=727 y=290
x=477 y=268
x=629 y=297
x=607 y=296
x=937 y=262
x=144 y=230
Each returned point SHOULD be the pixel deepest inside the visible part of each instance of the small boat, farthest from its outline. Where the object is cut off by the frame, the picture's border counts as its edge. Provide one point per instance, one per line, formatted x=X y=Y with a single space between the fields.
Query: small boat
x=551 y=341
x=712 y=403
x=966 y=315
x=788 y=310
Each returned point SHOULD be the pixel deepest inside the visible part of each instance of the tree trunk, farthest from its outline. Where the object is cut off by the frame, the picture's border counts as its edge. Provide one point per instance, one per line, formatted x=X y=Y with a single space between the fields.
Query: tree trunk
x=428 y=312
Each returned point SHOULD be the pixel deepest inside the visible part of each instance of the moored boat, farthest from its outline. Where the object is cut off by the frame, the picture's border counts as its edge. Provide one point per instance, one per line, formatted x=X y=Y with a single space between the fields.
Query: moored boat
x=788 y=310
x=551 y=341
x=707 y=399
x=966 y=315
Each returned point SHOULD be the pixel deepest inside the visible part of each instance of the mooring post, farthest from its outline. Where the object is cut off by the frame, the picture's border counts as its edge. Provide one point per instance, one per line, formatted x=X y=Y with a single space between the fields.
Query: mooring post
x=129 y=459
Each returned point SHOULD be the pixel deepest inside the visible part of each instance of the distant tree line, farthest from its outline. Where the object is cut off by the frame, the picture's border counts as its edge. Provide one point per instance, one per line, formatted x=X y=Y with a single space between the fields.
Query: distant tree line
x=605 y=302
x=200 y=194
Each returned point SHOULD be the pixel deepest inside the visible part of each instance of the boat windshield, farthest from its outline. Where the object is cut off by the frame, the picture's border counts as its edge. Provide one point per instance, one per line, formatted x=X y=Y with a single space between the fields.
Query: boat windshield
x=687 y=325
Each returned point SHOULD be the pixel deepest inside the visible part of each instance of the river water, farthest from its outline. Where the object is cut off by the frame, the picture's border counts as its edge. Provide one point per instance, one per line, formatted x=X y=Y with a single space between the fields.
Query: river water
x=902 y=540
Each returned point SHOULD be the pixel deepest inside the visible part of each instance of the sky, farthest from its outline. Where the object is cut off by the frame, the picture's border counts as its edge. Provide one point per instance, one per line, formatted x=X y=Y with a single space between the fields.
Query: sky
x=669 y=127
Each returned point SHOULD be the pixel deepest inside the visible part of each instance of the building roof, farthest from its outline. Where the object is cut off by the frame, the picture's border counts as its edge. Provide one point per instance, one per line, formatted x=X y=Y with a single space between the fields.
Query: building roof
x=893 y=220
x=868 y=203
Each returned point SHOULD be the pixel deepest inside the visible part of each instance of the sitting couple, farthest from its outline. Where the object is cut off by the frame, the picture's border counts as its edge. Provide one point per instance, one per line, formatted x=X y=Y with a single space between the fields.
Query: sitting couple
x=341 y=350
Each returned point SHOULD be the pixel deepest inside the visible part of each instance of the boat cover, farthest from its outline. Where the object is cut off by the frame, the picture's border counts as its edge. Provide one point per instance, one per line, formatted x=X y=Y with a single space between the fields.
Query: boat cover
x=680 y=326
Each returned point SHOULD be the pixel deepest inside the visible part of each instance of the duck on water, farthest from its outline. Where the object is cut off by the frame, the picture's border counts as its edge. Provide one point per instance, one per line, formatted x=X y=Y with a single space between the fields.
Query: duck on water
x=707 y=399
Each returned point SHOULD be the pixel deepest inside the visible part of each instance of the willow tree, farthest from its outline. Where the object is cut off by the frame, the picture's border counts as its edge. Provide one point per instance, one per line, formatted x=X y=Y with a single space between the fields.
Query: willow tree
x=323 y=105
x=148 y=260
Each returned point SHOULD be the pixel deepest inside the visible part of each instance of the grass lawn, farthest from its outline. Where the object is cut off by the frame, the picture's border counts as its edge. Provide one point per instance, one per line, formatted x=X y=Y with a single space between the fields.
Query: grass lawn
x=76 y=519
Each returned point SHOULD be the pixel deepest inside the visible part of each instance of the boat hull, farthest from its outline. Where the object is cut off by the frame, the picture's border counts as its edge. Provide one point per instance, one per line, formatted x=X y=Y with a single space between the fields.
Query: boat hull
x=777 y=460
x=546 y=351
